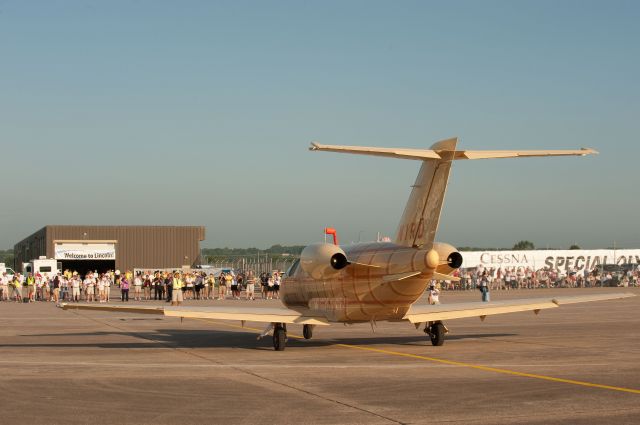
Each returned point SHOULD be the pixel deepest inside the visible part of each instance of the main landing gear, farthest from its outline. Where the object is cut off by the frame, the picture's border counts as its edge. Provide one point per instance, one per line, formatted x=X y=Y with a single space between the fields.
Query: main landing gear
x=279 y=336
x=436 y=332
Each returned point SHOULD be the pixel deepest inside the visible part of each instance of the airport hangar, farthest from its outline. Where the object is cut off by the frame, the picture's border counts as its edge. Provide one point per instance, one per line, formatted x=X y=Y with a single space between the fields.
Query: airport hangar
x=102 y=248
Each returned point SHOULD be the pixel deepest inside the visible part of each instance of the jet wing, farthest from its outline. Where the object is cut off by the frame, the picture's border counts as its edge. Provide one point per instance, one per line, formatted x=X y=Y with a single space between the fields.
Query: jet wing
x=429 y=313
x=248 y=314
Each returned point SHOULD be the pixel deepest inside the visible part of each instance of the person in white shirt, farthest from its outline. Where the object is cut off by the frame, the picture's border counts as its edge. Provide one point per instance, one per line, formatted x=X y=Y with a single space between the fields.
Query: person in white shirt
x=276 y=285
x=89 y=288
x=75 y=289
x=38 y=286
x=137 y=288
x=434 y=294
x=46 y=287
x=251 y=288
x=4 y=286
x=189 y=286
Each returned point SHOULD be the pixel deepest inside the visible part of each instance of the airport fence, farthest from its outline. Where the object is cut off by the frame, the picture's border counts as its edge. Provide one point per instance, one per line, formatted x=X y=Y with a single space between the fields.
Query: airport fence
x=258 y=263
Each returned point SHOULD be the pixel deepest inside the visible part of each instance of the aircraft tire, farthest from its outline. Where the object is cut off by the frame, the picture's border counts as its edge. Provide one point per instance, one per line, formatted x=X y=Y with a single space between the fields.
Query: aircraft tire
x=279 y=338
x=436 y=333
x=307 y=331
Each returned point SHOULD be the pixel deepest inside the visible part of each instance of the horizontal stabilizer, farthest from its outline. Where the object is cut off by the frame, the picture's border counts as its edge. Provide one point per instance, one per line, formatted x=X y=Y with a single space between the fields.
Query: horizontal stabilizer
x=446 y=154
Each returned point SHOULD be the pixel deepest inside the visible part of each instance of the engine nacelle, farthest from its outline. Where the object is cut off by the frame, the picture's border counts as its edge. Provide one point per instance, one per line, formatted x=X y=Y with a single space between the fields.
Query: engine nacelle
x=323 y=260
x=450 y=258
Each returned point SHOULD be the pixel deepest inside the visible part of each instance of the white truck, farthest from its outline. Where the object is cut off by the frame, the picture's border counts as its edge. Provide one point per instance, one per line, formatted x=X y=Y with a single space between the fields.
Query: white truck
x=4 y=268
x=42 y=265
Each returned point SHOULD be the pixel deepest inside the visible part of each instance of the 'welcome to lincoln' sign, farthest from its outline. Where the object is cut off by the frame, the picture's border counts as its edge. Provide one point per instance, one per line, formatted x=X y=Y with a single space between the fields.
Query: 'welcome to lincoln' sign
x=88 y=251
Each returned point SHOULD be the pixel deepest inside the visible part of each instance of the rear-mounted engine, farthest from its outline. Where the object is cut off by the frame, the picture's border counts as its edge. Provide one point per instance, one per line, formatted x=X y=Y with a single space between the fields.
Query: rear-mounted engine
x=323 y=260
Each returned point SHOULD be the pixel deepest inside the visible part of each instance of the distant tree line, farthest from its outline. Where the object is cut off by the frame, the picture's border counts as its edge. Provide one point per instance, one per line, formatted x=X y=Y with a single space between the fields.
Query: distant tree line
x=6 y=256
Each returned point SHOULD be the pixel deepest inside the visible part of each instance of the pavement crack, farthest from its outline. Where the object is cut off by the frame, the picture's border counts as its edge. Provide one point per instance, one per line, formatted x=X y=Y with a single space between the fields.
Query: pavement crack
x=332 y=400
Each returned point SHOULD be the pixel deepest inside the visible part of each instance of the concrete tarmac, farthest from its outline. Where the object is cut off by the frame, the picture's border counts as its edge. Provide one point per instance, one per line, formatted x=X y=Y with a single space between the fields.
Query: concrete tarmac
x=577 y=364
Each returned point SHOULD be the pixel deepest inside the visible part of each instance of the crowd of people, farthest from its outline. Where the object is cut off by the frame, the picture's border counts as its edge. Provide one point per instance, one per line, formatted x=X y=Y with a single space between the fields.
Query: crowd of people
x=171 y=286
x=177 y=285
x=527 y=278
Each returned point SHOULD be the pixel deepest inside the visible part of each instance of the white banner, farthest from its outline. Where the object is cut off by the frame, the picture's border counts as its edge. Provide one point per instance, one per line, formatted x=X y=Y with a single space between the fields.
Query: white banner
x=567 y=260
x=85 y=251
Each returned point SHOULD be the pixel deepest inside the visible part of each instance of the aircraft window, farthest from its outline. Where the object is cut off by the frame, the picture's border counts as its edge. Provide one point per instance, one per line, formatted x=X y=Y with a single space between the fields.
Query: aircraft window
x=293 y=268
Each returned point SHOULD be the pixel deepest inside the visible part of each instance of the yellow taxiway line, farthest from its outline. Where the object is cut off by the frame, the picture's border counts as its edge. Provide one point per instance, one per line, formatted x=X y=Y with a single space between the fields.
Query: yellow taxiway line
x=456 y=363
x=492 y=369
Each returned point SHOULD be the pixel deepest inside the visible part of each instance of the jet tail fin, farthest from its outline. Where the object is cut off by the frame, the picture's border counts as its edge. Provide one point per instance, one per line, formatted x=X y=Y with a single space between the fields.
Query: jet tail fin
x=421 y=215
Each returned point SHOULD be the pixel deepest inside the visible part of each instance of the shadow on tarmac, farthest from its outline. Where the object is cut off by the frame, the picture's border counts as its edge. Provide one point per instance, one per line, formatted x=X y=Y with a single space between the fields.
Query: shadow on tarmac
x=173 y=338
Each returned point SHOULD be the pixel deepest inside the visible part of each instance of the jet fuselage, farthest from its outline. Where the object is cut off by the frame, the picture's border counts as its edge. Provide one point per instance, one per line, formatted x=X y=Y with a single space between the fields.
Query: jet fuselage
x=362 y=291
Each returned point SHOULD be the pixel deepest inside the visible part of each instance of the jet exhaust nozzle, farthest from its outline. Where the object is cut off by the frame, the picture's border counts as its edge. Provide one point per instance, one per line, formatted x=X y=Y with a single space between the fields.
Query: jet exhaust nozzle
x=339 y=261
x=454 y=260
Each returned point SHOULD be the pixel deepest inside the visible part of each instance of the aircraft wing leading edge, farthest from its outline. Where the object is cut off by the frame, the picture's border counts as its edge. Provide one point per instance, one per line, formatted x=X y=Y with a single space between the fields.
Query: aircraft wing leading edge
x=419 y=313
x=265 y=315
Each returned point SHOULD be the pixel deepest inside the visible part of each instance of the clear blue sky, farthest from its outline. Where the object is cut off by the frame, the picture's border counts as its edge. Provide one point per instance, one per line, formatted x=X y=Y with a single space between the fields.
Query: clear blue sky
x=166 y=112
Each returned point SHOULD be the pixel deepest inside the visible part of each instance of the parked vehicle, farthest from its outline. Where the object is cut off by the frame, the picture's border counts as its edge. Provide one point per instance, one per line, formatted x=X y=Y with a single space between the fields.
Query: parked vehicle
x=4 y=268
x=42 y=265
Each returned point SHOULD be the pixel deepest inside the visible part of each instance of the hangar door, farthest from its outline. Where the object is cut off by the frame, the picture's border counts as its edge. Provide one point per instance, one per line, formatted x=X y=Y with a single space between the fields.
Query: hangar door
x=85 y=256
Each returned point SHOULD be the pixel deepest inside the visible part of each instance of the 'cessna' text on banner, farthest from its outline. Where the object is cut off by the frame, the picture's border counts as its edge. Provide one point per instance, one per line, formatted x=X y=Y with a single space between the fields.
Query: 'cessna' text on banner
x=89 y=251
